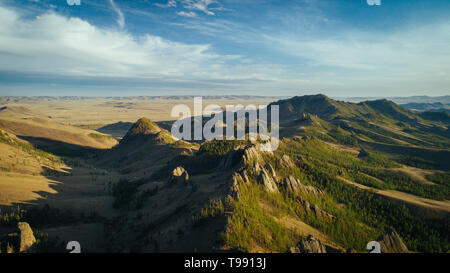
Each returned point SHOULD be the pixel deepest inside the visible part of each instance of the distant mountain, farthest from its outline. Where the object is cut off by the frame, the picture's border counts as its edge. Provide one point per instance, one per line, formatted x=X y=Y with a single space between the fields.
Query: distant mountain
x=329 y=109
x=401 y=100
x=441 y=115
x=438 y=106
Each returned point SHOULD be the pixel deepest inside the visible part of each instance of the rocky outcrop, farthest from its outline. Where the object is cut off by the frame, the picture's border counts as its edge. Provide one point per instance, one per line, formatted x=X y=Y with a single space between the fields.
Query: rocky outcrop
x=391 y=242
x=26 y=235
x=268 y=182
x=322 y=214
x=318 y=212
x=179 y=176
x=254 y=167
x=286 y=162
x=308 y=245
x=271 y=171
x=293 y=185
x=255 y=153
x=231 y=158
x=305 y=204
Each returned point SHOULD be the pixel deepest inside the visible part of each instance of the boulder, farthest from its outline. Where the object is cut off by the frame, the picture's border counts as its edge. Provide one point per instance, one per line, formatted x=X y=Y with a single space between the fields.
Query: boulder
x=271 y=170
x=305 y=204
x=26 y=235
x=267 y=181
x=179 y=176
x=286 y=162
x=308 y=245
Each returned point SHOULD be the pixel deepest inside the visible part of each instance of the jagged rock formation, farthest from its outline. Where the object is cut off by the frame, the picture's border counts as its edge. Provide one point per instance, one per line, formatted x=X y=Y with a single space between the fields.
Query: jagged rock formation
x=179 y=176
x=266 y=180
x=391 y=242
x=308 y=245
x=315 y=209
x=254 y=167
x=294 y=185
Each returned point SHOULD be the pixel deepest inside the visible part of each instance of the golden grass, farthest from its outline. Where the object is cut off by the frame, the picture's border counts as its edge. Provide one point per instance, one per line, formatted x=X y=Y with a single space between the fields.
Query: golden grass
x=22 y=188
x=40 y=128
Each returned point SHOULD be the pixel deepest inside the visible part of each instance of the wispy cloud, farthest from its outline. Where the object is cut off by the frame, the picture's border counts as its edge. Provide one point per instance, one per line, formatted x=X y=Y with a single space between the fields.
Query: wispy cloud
x=74 y=47
x=187 y=14
x=169 y=4
x=200 y=5
x=120 y=17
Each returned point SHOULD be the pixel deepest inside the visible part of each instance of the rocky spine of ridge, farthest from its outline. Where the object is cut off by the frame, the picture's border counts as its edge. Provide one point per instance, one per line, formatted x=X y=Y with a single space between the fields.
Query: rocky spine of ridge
x=255 y=166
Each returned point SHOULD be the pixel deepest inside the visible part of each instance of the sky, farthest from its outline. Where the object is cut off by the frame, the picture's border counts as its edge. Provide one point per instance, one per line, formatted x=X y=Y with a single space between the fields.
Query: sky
x=341 y=48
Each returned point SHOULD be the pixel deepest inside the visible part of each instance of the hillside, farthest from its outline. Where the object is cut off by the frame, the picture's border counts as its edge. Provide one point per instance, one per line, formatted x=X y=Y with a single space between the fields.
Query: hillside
x=344 y=174
x=54 y=137
x=144 y=147
x=380 y=121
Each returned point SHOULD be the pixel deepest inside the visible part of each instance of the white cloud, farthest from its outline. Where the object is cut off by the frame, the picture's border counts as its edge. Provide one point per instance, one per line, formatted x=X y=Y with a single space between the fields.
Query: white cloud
x=187 y=14
x=201 y=5
x=120 y=16
x=169 y=4
x=57 y=45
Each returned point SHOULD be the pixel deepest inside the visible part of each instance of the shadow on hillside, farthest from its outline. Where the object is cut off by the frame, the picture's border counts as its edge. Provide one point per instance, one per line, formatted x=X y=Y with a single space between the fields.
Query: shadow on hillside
x=440 y=157
x=59 y=148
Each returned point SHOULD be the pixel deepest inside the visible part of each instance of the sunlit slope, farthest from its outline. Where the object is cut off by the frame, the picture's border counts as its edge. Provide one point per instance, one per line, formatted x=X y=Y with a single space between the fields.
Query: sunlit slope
x=41 y=129
x=23 y=169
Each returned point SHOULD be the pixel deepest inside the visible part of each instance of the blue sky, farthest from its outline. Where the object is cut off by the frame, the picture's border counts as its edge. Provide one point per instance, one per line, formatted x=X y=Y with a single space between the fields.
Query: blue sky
x=213 y=47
